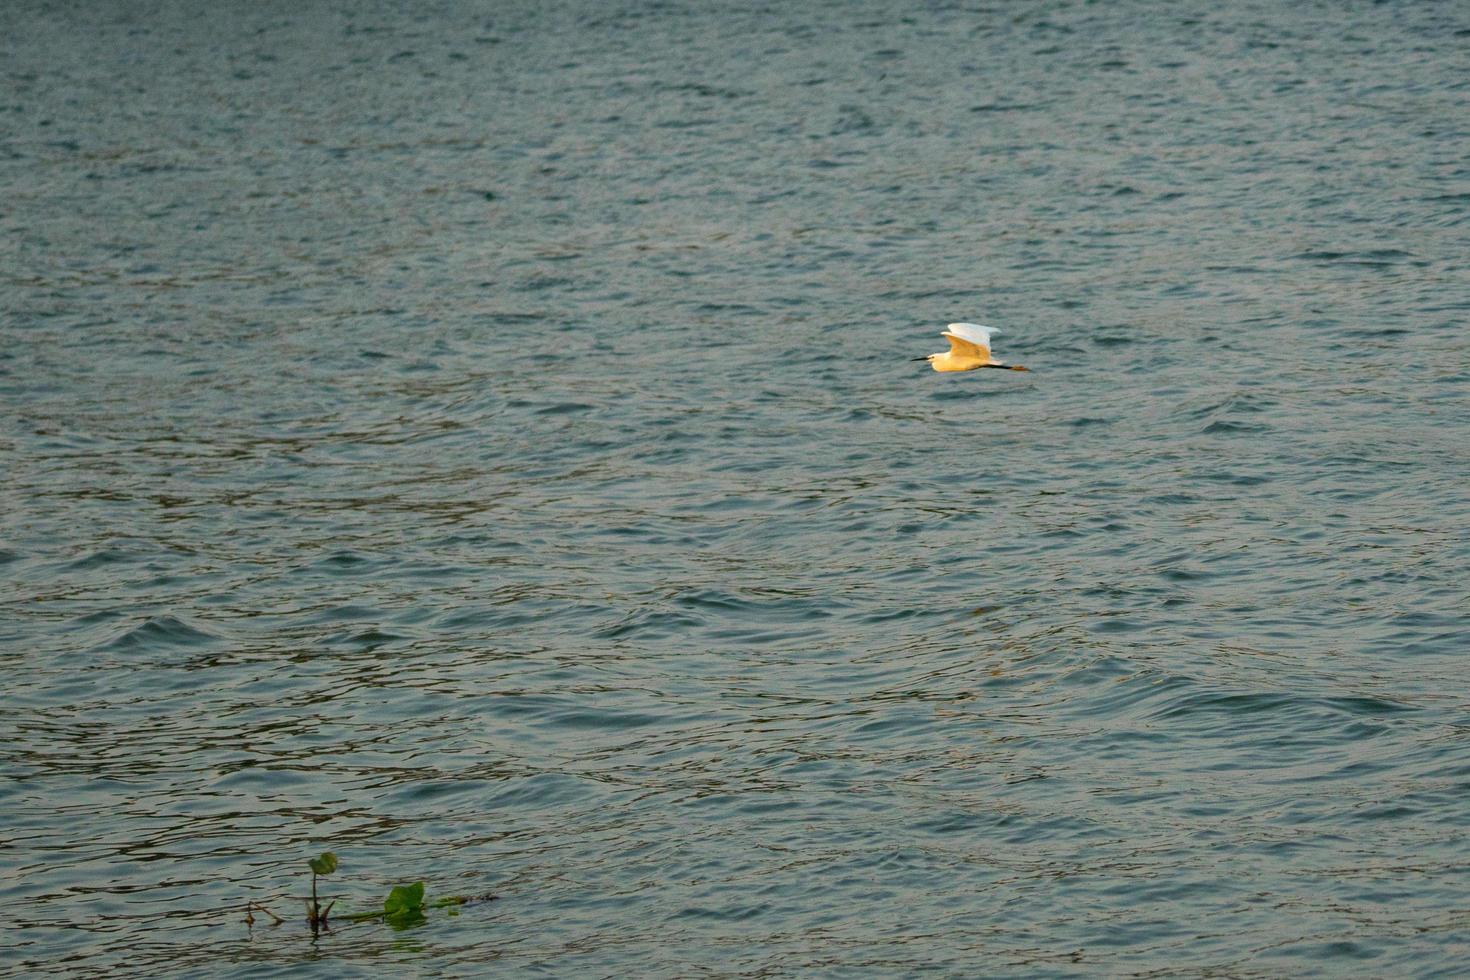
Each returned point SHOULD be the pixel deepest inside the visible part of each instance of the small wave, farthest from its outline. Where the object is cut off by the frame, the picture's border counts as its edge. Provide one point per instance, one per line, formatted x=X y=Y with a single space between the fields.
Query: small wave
x=367 y=640
x=1003 y=107
x=1227 y=427
x=1211 y=703
x=565 y=408
x=342 y=563
x=648 y=624
x=100 y=559
x=1243 y=403
x=1371 y=257
x=165 y=632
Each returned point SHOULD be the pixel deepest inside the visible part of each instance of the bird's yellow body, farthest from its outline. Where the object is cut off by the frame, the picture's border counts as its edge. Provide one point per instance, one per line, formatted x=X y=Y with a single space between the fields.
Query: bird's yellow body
x=960 y=357
x=969 y=348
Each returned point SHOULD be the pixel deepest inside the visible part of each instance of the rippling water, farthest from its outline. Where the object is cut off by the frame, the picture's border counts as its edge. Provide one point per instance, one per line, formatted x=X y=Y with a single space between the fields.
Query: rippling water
x=480 y=440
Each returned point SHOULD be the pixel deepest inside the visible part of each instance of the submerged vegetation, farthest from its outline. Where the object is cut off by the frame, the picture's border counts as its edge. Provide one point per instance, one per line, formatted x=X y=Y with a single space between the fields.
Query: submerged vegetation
x=404 y=907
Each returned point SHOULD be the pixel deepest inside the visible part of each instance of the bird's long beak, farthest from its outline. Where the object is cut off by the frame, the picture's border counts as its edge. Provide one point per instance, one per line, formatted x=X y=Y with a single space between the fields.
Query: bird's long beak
x=925 y=358
x=1017 y=367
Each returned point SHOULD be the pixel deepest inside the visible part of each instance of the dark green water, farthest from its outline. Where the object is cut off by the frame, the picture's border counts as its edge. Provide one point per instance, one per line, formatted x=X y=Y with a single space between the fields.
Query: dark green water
x=480 y=439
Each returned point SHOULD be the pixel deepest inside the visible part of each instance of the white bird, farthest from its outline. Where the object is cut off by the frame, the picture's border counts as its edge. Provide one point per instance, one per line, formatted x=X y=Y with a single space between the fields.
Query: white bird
x=969 y=348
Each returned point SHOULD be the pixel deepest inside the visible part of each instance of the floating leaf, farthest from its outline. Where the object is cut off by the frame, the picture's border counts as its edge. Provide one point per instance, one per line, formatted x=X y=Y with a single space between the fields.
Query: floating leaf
x=404 y=906
x=403 y=899
x=325 y=864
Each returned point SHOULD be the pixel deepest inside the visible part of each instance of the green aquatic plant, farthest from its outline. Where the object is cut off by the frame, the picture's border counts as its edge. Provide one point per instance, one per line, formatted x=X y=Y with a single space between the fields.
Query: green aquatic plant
x=404 y=905
x=403 y=908
x=323 y=864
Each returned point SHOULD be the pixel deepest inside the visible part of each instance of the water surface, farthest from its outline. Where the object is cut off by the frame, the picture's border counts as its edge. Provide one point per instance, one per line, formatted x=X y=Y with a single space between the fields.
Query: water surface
x=480 y=440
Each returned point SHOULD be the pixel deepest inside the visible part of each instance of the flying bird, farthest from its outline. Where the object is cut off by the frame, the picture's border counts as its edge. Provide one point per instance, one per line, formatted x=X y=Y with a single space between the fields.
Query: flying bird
x=969 y=348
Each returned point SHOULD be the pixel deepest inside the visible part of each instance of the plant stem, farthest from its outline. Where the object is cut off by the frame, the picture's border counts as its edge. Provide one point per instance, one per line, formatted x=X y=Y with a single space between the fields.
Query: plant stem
x=437 y=903
x=256 y=906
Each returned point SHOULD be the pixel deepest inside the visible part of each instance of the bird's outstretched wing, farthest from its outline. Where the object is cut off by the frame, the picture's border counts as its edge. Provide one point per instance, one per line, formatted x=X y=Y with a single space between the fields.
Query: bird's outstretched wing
x=959 y=347
x=969 y=339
